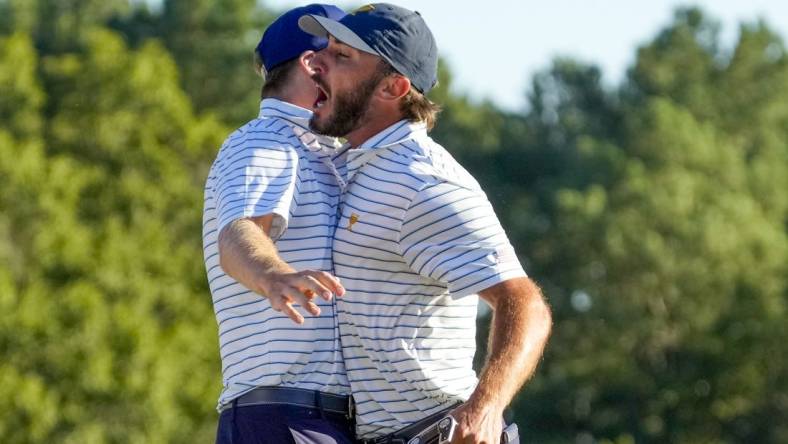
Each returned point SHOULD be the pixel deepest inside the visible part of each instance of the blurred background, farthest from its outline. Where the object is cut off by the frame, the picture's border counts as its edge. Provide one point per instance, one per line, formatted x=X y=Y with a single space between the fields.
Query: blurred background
x=650 y=203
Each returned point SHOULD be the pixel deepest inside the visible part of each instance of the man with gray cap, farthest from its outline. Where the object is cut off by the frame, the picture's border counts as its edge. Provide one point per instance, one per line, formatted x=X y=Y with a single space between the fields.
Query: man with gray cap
x=417 y=243
x=270 y=210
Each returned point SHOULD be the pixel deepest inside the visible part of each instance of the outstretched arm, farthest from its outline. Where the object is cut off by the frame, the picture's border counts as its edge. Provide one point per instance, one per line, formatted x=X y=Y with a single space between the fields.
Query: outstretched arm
x=520 y=328
x=249 y=256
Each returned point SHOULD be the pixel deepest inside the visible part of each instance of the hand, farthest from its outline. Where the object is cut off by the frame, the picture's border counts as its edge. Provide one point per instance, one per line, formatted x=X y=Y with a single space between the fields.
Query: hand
x=477 y=423
x=283 y=289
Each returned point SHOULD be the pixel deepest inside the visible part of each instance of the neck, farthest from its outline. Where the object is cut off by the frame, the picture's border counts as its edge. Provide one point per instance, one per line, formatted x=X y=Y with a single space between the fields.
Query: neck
x=299 y=91
x=370 y=128
x=291 y=99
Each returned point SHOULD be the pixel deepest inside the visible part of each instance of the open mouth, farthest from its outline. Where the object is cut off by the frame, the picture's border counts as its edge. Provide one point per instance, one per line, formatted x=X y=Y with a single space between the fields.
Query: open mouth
x=322 y=97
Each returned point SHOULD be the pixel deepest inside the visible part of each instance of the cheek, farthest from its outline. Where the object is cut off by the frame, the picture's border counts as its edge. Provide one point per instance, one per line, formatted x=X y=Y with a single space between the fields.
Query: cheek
x=345 y=84
x=344 y=76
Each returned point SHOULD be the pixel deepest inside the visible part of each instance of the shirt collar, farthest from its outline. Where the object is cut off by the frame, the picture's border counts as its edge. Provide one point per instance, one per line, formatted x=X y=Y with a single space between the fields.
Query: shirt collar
x=294 y=114
x=299 y=119
x=397 y=133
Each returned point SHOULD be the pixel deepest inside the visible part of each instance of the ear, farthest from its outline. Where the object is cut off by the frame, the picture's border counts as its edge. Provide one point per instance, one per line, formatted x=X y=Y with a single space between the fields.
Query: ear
x=394 y=87
x=305 y=62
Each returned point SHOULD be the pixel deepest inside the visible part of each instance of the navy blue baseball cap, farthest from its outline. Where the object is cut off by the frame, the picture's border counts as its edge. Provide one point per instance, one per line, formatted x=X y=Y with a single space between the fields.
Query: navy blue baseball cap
x=283 y=40
x=398 y=35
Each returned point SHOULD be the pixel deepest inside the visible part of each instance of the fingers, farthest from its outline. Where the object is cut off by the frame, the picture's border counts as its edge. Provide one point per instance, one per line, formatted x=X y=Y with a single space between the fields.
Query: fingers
x=327 y=281
x=310 y=286
x=283 y=305
x=303 y=300
x=312 y=283
x=292 y=313
x=286 y=296
x=301 y=288
x=474 y=426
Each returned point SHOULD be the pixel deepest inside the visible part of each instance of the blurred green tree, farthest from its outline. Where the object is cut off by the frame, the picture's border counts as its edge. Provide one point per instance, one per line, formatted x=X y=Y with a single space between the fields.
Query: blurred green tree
x=654 y=214
x=99 y=231
x=213 y=43
x=670 y=261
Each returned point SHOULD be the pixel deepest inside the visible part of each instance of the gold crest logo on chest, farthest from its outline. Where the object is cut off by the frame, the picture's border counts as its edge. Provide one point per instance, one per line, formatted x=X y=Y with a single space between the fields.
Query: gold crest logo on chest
x=351 y=221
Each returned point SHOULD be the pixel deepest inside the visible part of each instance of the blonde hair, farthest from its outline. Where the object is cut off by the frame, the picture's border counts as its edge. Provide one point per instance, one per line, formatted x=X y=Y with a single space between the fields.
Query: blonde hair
x=416 y=107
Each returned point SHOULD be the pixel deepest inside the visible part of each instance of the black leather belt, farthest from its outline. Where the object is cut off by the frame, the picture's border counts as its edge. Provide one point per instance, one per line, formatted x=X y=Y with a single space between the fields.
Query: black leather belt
x=294 y=396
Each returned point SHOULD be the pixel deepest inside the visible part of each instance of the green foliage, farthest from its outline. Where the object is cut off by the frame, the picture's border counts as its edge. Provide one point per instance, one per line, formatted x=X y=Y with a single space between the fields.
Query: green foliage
x=100 y=230
x=213 y=42
x=654 y=216
x=670 y=261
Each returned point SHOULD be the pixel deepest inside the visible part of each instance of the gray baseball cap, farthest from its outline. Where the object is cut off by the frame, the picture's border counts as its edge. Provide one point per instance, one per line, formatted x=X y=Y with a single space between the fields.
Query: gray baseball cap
x=398 y=35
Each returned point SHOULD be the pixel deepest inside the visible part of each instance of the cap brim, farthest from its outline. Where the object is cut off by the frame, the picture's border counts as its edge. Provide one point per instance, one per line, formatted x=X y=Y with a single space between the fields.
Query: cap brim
x=320 y=26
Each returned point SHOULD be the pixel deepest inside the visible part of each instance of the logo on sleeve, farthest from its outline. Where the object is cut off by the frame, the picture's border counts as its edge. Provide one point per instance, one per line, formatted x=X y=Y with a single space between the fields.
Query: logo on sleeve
x=504 y=254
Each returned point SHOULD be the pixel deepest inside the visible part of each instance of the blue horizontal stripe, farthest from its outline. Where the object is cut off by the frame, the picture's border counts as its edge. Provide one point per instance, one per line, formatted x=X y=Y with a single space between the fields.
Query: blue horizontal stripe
x=432 y=223
x=347 y=204
x=266 y=342
x=232 y=161
x=262 y=332
x=364 y=222
x=356 y=232
x=432 y=328
x=497 y=275
x=417 y=315
x=402 y=173
x=366 y=247
x=378 y=179
x=428 y=187
x=378 y=190
x=366 y=199
x=219 y=312
x=452 y=258
x=450 y=244
x=269 y=352
x=468 y=231
x=389 y=281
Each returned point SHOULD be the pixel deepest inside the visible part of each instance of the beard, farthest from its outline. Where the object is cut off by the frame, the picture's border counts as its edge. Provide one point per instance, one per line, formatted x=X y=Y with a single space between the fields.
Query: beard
x=349 y=110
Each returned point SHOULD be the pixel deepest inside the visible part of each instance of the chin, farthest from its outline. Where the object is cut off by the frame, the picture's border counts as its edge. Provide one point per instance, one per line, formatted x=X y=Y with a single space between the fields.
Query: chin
x=317 y=124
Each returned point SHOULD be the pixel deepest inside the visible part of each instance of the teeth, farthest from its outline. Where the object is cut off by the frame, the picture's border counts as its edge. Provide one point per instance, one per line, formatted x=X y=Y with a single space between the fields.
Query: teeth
x=322 y=97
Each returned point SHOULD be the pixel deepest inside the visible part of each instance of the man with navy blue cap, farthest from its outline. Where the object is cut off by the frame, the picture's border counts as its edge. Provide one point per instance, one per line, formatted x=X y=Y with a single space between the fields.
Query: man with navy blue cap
x=416 y=245
x=268 y=221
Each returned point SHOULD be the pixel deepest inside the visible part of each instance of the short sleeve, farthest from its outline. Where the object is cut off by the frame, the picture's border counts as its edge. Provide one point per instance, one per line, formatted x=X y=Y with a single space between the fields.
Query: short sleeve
x=254 y=182
x=452 y=235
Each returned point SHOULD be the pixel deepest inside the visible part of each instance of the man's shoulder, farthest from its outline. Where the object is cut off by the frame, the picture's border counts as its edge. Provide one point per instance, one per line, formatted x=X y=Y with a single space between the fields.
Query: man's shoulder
x=261 y=133
x=432 y=164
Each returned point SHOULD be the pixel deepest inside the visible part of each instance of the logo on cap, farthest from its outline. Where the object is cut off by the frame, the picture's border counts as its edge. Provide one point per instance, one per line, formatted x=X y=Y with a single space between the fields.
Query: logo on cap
x=365 y=8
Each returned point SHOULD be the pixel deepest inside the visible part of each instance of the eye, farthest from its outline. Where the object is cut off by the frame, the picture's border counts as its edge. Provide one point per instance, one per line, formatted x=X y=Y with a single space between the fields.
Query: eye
x=343 y=55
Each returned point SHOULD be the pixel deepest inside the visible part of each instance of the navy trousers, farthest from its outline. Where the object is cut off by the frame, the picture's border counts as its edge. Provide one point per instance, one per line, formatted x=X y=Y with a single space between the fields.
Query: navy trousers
x=282 y=424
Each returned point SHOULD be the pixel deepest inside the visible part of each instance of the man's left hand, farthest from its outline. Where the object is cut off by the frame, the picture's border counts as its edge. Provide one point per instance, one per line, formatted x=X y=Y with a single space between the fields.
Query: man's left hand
x=477 y=423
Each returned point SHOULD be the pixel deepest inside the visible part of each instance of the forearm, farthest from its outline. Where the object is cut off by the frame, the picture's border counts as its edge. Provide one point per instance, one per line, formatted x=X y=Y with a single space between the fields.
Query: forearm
x=520 y=328
x=247 y=254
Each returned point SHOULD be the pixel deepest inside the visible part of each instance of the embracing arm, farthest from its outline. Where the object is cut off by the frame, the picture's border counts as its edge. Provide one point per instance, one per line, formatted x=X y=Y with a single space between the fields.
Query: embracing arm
x=520 y=328
x=246 y=251
x=248 y=255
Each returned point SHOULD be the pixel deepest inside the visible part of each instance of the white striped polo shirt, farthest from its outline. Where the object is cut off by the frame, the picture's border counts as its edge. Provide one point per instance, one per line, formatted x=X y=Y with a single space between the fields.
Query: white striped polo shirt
x=416 y=242
x=273 y=164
